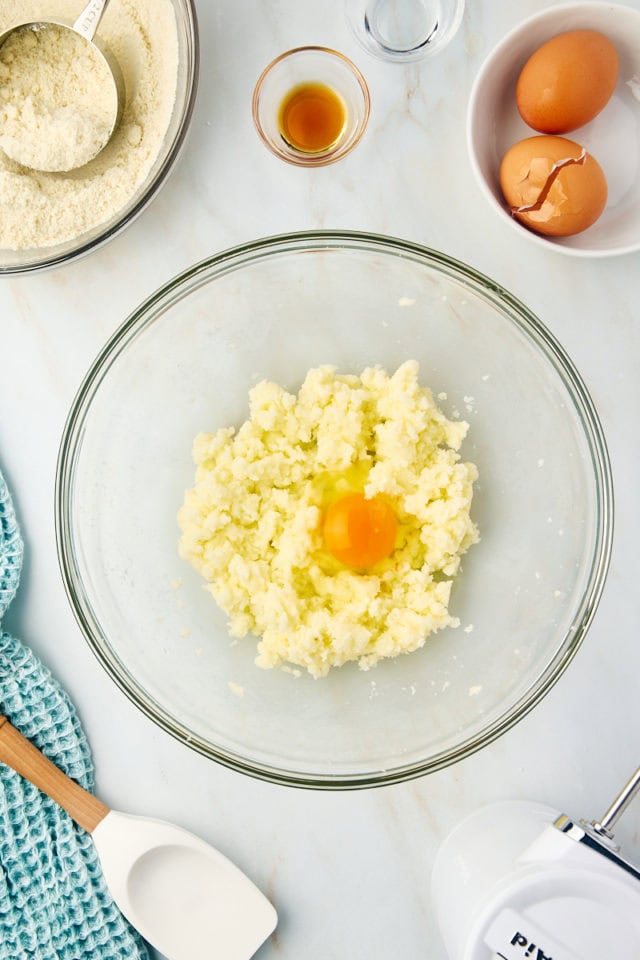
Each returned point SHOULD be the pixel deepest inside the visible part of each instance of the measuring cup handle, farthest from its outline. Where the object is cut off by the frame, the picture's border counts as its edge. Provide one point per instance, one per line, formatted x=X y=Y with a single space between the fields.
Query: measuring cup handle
x=89 y=20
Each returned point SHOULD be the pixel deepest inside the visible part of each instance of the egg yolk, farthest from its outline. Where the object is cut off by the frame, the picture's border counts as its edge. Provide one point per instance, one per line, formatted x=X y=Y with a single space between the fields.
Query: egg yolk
x=359 y=532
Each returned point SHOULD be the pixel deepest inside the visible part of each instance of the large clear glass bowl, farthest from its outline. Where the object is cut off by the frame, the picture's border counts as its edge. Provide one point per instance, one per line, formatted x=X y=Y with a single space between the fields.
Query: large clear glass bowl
x=14 y=262
x=185 y=361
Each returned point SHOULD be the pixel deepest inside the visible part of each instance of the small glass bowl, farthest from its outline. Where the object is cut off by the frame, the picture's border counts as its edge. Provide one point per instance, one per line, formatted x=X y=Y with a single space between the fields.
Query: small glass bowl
x=310 y=65
x=405 y=31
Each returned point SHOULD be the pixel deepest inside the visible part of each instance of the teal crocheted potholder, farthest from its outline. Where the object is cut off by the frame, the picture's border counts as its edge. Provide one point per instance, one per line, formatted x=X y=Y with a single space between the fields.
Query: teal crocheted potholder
x=10 y=549
x=54 y=903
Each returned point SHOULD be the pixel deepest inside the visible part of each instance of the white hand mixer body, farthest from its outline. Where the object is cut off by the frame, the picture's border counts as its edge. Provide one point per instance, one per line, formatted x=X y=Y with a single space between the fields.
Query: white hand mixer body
x=520 y=881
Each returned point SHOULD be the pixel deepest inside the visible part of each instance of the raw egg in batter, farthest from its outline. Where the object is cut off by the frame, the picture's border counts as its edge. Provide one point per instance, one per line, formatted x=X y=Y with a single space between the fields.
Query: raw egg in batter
x=359 y=532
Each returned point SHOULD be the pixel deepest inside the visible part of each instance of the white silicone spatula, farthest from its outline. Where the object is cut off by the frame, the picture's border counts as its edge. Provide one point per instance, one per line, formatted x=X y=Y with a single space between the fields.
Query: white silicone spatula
x=184 y=897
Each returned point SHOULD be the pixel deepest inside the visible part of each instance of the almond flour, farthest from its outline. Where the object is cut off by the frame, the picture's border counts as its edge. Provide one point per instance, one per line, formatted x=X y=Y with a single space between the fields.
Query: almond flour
x=59 y=102
x=45 y=209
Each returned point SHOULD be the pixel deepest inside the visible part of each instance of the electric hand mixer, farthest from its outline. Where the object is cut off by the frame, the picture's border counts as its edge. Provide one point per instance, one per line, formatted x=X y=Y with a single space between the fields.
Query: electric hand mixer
x=521 y=881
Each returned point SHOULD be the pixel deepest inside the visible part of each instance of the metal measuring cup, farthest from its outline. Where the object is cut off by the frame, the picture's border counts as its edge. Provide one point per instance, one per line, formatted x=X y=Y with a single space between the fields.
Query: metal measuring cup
x=85 y=27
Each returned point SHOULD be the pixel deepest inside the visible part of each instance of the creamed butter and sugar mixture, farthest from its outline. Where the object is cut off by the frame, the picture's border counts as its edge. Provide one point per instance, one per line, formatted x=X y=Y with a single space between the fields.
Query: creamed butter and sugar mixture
x=252 y=524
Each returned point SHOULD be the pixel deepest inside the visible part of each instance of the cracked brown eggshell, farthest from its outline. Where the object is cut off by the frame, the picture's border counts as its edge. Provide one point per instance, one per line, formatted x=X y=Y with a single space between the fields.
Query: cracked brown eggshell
x=552 y=185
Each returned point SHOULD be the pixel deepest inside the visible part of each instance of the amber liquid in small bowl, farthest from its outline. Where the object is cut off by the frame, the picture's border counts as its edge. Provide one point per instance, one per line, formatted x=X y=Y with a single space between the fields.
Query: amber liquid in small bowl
x=312 y=117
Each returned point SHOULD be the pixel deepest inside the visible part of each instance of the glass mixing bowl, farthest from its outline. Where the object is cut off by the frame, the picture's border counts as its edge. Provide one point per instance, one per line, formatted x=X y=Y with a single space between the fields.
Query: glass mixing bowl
x=42 y=258
x=185 y=361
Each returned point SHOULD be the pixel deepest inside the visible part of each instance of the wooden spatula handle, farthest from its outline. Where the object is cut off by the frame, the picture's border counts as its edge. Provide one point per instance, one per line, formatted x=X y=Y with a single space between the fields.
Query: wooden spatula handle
x=21 y=755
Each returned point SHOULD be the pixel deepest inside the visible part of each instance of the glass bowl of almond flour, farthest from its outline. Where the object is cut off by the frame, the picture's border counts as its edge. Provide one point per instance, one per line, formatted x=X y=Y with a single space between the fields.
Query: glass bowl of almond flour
x=48 y=219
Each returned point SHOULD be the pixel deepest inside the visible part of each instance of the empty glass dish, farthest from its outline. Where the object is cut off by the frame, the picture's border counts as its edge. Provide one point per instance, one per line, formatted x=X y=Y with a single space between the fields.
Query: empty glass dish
x=404 y=30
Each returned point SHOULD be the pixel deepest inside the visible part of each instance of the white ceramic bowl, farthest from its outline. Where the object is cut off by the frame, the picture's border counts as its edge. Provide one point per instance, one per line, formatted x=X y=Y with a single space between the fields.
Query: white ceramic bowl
x=613 y=137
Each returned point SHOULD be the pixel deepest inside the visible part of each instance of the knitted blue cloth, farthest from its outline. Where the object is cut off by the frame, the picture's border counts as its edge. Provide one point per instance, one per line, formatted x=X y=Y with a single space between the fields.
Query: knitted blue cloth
x=10 y=549
x=54 y=903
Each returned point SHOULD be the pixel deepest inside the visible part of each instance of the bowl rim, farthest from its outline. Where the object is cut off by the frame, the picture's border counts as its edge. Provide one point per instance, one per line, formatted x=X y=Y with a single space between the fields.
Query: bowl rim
x=294 y=242
x=151 y=191
x=548 y=14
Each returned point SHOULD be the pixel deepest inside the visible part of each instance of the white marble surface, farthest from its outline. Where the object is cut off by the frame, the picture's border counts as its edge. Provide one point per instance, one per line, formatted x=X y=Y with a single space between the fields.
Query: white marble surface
x=349 y=873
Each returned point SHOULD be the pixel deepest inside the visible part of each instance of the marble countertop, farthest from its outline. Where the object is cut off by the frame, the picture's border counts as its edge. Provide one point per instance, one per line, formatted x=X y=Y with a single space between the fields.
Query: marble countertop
x=350 y=872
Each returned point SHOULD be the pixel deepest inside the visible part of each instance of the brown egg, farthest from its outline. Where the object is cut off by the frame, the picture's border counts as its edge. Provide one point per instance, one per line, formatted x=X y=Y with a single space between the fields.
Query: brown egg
x=567 y=81
x=552 y=185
